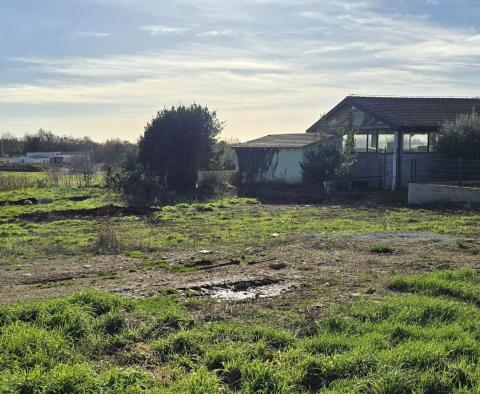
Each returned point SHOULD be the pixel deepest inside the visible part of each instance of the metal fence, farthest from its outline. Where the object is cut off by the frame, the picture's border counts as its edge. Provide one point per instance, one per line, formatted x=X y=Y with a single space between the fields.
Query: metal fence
x=458 y=172
x=216 y=176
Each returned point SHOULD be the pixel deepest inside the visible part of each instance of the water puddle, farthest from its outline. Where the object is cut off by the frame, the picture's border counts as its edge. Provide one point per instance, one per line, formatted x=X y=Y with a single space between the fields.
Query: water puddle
x=242 y=290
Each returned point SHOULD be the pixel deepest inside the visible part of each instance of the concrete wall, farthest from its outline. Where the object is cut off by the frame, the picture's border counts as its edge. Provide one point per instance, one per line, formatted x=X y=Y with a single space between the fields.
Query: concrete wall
x=426 y=193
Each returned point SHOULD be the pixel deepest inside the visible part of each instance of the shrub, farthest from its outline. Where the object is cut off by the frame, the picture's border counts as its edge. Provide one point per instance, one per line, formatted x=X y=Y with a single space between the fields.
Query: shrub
x=382 y=248
x=177 y=143
x=320 y=166
x=107 y=239
x=460 y=137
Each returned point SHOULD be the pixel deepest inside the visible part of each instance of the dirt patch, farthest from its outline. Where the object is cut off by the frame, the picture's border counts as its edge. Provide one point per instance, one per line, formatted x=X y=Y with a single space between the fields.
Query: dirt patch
x=38 y=201
x=78 y=198
x=105 y=211
x=26 y=201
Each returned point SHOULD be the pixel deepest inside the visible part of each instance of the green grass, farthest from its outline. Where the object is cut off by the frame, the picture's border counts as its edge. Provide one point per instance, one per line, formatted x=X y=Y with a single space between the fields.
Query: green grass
x=12 y=180
x=382 y=248
x=423 y=339
x=231 y=222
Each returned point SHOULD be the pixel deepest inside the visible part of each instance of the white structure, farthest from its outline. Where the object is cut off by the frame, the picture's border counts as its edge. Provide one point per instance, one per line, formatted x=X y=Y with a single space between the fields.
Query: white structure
x=428 y=194
x=44 y=155
x=275 y=158
x=29 y=160
x=50 y=158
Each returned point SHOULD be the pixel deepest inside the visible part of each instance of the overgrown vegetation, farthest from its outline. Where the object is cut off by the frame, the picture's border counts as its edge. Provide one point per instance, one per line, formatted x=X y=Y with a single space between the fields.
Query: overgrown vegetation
x=256 y=164
x=460 y=138
x=320 y=165
x=177 y=143
x=26 y=180
x=64 y=221
x=330 y=163
x=424 y=341
x=382 y=248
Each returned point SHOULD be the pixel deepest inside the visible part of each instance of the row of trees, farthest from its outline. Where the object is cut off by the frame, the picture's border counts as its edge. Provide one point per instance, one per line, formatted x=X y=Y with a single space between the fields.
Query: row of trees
x=109 y=152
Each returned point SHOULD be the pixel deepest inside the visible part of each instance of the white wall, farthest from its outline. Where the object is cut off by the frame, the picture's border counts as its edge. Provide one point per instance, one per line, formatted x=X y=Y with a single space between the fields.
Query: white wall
x=27 y=160
x=419 y=193
x=287 y=169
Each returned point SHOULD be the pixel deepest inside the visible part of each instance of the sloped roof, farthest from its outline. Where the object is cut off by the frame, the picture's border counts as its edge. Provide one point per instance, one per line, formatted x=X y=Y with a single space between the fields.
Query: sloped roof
x=405 y=113
x=284 y=141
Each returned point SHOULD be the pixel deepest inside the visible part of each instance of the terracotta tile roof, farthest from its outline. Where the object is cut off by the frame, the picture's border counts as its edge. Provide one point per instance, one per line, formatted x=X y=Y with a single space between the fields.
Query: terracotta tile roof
x=284 y=141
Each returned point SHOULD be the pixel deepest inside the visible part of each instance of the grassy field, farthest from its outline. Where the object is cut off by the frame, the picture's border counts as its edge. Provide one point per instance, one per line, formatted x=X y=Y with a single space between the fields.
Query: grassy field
x=67 y=223
x=425 y=340
x=11 y=180
x=233 y=295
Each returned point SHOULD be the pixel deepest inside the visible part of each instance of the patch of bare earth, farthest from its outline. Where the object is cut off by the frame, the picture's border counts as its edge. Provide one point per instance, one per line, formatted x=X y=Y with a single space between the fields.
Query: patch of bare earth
x=305 y=271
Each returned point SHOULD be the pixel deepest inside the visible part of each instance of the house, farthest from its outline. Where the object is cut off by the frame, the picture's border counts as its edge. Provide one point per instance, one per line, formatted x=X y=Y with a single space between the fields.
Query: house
x=276 y=158
x=34 y=158
x=394 y=136
x=47 y=158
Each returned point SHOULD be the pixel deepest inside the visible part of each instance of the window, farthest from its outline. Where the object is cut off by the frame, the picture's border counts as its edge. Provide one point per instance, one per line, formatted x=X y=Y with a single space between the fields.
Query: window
x=432 y=143
x=415 y=142
x=385 y=143
x=372 y=142
x=357 y=118
x=360 y=142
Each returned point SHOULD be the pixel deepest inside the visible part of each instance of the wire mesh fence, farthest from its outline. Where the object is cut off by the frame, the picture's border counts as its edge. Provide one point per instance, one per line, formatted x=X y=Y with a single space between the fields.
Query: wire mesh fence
x=224 y=176
x=458 y=172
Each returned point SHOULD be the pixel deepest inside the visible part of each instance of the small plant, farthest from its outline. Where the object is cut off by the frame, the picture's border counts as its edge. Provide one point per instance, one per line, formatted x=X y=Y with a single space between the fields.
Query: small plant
x=382 y=248
x=107 y=239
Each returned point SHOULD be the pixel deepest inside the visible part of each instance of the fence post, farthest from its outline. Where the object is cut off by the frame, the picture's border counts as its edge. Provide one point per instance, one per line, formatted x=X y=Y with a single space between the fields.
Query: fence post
x=460 y=171
x=413 y=170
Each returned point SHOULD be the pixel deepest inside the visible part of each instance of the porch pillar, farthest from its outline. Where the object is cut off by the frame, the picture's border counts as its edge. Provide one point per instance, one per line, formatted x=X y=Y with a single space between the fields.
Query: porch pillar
x=396 y=161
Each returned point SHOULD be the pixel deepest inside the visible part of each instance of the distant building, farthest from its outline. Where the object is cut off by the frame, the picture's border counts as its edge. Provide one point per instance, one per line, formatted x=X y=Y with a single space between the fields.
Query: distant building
x=51 y=158
x=276 y=158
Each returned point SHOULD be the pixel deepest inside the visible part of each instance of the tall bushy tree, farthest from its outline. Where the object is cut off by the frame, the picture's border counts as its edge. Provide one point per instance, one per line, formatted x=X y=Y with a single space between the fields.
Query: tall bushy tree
x=178 y=142
x=346 y=169
x=460 y=138
x=319 y=166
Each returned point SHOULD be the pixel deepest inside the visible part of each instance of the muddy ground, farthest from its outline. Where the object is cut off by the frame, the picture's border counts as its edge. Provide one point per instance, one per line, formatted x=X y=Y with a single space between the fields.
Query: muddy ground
x=307 y=271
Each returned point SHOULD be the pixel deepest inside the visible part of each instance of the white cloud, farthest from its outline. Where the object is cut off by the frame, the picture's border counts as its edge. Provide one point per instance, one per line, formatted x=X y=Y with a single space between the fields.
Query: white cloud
x=159 y=29
x=217 y=33
x=92 y=34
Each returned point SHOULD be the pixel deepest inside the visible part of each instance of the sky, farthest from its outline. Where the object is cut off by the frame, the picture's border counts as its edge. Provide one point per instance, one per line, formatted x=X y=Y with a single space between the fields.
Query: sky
x=103 y=68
